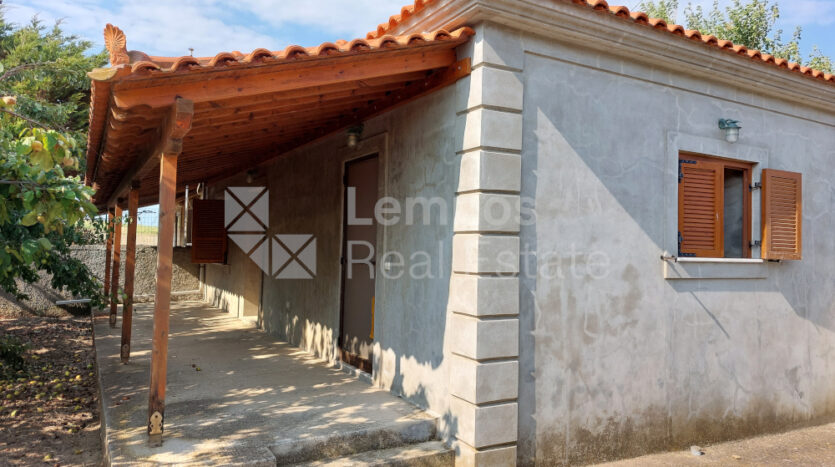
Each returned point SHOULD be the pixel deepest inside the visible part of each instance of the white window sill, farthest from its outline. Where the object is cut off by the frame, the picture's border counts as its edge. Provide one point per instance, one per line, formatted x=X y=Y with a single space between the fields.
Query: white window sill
x=720 y=260
x=715 y=268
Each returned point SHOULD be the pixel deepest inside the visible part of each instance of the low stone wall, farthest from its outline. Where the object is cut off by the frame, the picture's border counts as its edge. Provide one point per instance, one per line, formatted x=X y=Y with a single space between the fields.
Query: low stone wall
x=42 y=297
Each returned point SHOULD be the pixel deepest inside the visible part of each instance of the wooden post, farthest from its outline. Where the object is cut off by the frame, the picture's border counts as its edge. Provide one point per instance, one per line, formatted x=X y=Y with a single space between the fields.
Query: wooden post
x=162 y=298
x=108 y=249
x=130 y=267
x=178 y=123
x=117 y=254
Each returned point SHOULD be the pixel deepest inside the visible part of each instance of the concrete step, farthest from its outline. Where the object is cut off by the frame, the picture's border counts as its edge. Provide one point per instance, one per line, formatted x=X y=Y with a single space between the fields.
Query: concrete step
x=427 y=454
x=414 y=429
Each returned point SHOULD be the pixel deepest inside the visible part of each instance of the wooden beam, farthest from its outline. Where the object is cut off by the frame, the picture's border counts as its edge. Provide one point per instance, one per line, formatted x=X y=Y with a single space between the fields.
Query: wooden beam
x=235 y=83
x=130 y=268
x=176 y=124
x=117 y=253
x=108 y=250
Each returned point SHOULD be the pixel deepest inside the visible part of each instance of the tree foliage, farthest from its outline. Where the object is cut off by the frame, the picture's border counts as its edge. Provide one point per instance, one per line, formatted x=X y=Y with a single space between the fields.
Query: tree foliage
x=750 y=24
x=44 y=206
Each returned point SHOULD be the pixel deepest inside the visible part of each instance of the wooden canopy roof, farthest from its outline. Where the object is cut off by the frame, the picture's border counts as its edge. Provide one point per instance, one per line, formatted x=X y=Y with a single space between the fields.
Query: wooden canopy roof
x=232 y=111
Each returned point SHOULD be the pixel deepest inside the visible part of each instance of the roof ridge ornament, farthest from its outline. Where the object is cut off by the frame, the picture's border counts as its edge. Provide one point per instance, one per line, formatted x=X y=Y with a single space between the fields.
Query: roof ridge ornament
x=116 y=44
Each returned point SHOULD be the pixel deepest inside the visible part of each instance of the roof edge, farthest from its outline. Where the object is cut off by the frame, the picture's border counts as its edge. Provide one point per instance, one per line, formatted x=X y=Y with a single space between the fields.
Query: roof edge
x=424 y=13
x=600 y=30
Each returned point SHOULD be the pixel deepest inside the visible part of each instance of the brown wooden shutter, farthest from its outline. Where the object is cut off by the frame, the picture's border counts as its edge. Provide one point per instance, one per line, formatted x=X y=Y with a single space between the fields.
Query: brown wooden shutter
x=701 y=208
x=208 y=234
x=782 y=214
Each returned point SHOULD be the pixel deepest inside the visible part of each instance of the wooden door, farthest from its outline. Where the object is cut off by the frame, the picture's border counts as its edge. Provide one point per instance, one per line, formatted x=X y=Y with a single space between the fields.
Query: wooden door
x=356 y=334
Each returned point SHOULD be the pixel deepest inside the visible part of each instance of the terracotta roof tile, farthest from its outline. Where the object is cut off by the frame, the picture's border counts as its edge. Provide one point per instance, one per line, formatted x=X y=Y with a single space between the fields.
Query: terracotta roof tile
x=142 y=63
x=638 y=18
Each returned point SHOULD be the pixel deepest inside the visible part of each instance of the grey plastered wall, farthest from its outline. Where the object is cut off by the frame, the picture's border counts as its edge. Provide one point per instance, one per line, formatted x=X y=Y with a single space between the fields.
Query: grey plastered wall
x=615 y=359
x=416 y=144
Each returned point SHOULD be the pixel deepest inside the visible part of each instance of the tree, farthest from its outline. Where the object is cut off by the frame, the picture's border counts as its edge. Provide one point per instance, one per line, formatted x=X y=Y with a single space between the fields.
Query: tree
x=750 y=24
x=44 y=206
x=664 y=9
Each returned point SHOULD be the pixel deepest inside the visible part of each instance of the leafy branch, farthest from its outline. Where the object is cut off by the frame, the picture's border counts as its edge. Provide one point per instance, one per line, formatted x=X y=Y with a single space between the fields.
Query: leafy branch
x=26 y=66
x=23 y=117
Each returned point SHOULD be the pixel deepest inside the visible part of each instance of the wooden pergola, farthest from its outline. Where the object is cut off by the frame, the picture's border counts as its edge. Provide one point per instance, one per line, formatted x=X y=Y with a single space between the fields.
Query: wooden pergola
x=160 y=124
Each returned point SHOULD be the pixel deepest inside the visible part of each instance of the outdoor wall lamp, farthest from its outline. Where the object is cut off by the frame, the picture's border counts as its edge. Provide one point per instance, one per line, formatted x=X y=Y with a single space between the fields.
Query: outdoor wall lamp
x=354 y=134
x=731 y=128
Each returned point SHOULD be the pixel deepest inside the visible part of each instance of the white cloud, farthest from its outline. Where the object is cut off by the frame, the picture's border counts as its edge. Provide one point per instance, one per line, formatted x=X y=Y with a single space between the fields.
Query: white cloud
x=352 y=18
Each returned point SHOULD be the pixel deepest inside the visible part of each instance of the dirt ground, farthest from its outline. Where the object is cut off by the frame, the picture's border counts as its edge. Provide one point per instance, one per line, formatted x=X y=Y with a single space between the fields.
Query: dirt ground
x=49 y=411
x=814 y=446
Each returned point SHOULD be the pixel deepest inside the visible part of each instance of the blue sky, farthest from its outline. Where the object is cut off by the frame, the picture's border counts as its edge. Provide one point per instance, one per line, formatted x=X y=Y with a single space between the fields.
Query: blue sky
x=170 y=27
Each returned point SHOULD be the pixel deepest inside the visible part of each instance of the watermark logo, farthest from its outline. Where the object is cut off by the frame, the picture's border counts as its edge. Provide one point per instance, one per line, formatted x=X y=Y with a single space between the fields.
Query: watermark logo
x=284 y=256
x=294 y=256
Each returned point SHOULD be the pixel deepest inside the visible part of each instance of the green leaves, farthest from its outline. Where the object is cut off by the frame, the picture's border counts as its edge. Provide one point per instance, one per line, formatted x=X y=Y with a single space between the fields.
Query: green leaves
x=664 y=9
x=750 y=24
x=43 y=211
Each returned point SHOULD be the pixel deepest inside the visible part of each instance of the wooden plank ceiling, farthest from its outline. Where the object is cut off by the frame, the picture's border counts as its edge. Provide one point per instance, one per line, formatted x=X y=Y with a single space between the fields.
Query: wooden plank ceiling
x=249 y=109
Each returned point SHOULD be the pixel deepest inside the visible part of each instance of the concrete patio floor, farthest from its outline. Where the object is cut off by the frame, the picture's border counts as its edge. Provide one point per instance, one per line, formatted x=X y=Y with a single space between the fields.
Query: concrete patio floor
x=252 y=392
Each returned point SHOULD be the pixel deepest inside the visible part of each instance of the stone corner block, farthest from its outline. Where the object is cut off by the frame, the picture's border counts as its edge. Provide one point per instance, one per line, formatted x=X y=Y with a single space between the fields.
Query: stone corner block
x=467 y=456
x=489 y=128
x=477 y=253
x=480 y=339
x=492 y=87
x=485 y=382
x=483 y=426
x=486 y=170
x=495 y=44
x=487 y=212
x=484 y=295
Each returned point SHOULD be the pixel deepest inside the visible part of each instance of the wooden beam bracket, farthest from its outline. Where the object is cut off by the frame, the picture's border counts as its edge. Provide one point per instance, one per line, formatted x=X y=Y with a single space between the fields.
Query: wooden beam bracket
x=174 y=127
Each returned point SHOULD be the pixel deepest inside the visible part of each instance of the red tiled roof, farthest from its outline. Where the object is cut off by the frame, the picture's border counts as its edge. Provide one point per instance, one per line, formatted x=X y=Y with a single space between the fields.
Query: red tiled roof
x=145 y=63
x=644 y=20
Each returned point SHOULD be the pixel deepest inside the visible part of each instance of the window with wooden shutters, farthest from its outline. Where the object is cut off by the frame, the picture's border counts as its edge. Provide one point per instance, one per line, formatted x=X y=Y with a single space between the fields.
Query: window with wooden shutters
x=782 y=214
x=714 y=207
x=208 y=234
x=700 y=204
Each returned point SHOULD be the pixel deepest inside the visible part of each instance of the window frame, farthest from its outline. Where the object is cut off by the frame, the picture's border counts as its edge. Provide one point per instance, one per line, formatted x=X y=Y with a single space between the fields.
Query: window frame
x=747 y=168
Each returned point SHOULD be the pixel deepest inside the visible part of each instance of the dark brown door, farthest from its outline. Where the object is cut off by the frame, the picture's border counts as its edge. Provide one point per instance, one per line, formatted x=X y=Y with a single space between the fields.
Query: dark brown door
x=358 y=262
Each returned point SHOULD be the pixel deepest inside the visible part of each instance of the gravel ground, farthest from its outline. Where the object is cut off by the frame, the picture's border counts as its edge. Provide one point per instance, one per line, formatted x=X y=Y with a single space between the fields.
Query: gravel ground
x=49 y=411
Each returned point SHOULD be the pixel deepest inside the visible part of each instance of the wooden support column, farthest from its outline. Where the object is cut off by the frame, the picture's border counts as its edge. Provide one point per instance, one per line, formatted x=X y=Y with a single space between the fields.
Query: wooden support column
x=130 y=268
x=177 y=125
x=108 y=249
x=117 y=254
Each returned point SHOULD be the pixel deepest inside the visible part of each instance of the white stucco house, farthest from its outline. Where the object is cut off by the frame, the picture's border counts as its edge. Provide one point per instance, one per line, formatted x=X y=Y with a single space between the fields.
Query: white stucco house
x=561 y=254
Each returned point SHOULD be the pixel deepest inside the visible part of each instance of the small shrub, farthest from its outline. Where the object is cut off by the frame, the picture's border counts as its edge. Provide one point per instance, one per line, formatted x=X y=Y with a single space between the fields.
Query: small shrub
x=11 y=355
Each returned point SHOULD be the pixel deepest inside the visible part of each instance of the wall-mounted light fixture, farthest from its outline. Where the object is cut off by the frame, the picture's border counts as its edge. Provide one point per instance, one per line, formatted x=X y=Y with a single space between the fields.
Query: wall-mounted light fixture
x=354 y=134
x=250 y=175
x=731 y=129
